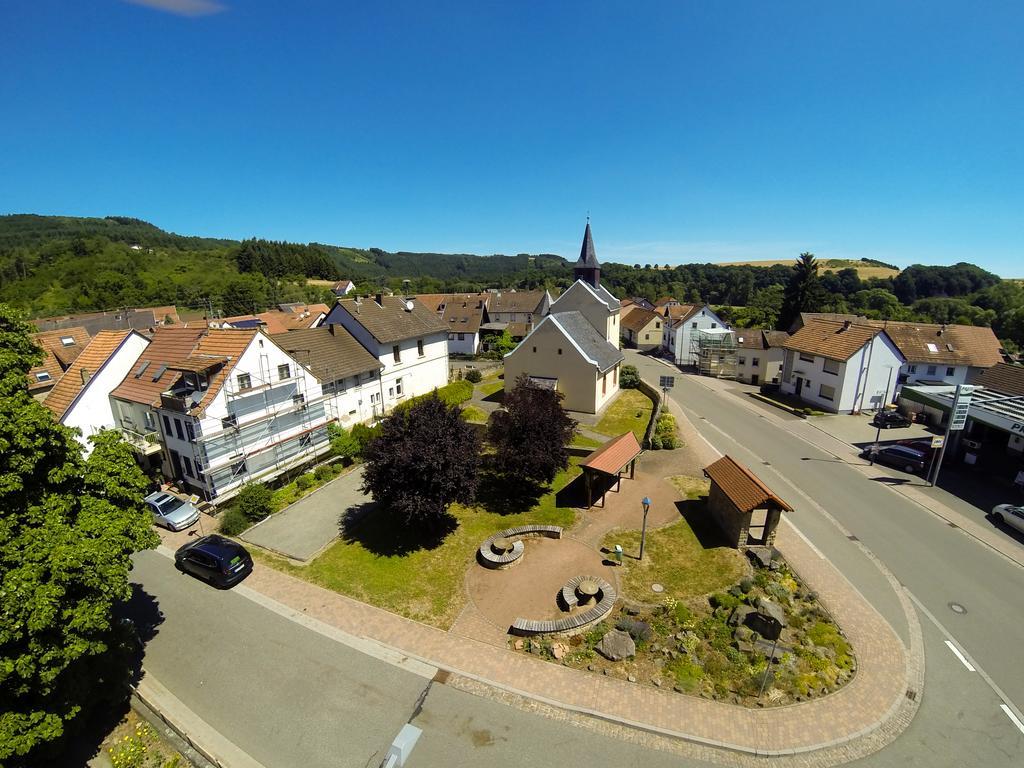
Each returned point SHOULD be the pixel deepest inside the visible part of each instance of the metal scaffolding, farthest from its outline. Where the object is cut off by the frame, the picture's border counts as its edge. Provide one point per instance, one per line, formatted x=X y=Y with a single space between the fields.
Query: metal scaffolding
x=715 y=352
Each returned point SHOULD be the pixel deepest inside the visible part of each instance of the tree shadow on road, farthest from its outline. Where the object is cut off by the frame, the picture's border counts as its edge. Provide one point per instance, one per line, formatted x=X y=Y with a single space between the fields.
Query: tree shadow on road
x=386 y=535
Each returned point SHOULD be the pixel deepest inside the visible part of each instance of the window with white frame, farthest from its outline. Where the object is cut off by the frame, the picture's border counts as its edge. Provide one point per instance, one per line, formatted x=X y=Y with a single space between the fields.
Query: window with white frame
x=932 y=370
x=951 y=371
x=244 y=381
x=398 y=387
x=284 y=371
x=806 y=358
x=825 y=392
x=830 y=366
x=755 y=362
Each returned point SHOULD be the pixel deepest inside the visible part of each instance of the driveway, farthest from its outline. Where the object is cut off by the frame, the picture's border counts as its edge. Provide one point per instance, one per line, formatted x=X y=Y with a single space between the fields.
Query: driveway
x=310 y=524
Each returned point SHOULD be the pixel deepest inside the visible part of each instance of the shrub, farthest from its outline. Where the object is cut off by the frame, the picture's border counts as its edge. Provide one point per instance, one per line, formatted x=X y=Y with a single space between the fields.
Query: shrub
x=669 y=442
x=666 y=424
x=656 y=444
x=304 y=482
x=629 y=377
x=746 y=584
x=255 y=500
x=363 y=434
x=724 y=600
x=343 y=443
x=474 y=376
x=325 y=472
x=233 y=522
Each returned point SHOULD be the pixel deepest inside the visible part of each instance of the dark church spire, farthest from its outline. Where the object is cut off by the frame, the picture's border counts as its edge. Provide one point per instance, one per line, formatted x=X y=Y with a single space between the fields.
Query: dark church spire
x=587 y=267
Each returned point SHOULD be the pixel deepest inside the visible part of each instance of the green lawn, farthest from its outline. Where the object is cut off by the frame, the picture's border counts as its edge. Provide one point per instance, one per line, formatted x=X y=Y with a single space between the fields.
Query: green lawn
x=474 y=415
x=424 y=584
x=486 y=388
x=582 y=441
x=675 y=556
x=631 y=410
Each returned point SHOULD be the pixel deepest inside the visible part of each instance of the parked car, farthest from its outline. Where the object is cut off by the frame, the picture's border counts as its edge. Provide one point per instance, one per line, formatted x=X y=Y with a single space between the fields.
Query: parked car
x=890 y=419
x=899 y=456
x=922 y=444
x=1010 y=515
x=215 y=559
x=170 y=511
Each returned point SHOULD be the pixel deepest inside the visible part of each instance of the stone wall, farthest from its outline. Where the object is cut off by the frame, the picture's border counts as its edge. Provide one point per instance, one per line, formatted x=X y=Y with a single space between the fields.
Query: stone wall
x=730 y=520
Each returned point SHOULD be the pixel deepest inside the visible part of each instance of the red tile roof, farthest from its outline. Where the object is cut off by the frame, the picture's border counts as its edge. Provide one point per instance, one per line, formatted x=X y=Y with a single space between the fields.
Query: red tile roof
x=742 y=486
x=93 y=357
x=834 y=339
x=167 y=346
x=611 y=457
x=57 y=356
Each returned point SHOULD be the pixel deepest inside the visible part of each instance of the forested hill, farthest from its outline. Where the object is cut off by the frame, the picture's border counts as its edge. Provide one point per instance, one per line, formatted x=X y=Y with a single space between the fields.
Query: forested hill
x=52 y=265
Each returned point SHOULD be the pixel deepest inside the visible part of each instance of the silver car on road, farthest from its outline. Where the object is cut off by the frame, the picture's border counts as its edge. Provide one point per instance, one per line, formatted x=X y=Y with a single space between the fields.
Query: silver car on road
x=171 y=511
x=1009 y=514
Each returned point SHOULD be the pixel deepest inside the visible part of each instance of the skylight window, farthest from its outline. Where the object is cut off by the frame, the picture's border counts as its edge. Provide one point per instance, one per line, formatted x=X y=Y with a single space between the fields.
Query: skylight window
x=159 y=372
x=932 y=347
x=43 y=376
x=67 y=341
x=142 y=369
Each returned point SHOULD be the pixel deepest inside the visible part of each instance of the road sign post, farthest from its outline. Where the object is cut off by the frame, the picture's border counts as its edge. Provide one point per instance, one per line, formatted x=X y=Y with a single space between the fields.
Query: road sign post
x=666 y=383
x=957 y=420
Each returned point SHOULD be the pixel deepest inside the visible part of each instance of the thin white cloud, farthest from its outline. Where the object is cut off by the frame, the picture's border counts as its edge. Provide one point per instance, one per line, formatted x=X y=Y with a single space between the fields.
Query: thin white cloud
x=687 y=252
x=183 y=7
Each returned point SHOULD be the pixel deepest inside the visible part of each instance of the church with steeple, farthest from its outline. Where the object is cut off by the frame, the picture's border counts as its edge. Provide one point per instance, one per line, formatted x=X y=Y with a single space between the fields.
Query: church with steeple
x=575 y=348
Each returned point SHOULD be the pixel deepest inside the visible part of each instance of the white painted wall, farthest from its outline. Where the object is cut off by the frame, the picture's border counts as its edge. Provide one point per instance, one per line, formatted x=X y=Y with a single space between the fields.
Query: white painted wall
x=677 y=339
x=765 y=363
x=91 y=411
x=467 y=345
x=867 y=381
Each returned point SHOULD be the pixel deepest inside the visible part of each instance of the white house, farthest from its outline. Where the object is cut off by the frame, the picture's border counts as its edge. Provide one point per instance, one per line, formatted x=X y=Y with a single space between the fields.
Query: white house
x=575 y=348
x=464 y=314
x=348 y=373
x=240 y=409
x=681 y=320
x=841 y=366
x=343 y=288
x=759 y=355
x=409 y=340
x=81 y=398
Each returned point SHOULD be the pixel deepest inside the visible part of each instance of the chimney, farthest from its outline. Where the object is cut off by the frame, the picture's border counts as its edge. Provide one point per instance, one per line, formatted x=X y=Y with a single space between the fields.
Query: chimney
x=846 y=325
x=942 y=330
x=86 y=375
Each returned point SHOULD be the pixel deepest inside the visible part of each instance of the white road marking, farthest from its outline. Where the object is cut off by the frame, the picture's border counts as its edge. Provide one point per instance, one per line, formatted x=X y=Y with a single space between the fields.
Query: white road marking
x=956 y=652
x=1013 y=718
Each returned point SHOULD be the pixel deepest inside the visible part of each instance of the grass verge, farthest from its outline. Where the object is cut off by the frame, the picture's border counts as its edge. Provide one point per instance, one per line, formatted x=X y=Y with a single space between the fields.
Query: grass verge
x=631 y=410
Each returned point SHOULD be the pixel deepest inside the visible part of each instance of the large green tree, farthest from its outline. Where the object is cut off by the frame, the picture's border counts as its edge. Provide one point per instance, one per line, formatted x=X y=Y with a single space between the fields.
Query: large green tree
x=531 y=433
x=803 y=292
x=424 y=458
x=68 y=528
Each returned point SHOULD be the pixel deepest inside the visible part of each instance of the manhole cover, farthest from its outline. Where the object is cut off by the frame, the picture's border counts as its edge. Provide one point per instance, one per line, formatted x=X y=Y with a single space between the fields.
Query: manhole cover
x=657 y=588
x=957 y=608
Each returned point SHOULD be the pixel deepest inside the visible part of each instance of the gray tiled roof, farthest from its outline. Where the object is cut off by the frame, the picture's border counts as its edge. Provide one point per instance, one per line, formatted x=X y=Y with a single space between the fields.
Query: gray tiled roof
x=391 y=321
x=593 y=344
x=330 y=352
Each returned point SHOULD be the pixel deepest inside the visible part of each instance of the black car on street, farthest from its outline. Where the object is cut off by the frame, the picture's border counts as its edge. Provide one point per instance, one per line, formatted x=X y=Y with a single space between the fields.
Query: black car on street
x=215 y=559
x=899 y=456
x=890 y=419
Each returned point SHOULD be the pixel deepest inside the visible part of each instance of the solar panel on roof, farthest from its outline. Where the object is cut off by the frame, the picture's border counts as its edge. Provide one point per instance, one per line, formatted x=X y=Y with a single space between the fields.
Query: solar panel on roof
x=159 y=372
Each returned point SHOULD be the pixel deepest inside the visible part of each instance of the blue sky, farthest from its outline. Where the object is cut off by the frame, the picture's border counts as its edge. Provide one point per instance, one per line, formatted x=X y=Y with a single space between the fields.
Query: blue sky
x=691 y=131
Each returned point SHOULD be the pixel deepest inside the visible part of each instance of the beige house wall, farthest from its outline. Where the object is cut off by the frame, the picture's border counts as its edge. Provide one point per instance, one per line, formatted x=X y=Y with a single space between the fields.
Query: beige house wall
x=653 y=330
x=578 y=379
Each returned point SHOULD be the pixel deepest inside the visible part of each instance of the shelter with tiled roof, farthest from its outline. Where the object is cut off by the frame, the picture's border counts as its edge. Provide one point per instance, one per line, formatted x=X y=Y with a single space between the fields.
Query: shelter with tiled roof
x=60 y=349
x=604 y=467
x=841 y=366
x=575 y=347
x=81 y=398
x=745 y=509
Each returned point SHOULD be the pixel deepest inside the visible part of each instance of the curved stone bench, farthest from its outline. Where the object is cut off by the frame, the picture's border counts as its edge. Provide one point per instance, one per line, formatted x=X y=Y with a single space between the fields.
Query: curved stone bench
x=575 y=623
x=491 y=559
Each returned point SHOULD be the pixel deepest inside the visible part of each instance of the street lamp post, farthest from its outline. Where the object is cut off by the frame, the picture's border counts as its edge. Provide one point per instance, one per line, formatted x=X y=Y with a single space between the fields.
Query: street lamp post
x=643 y=531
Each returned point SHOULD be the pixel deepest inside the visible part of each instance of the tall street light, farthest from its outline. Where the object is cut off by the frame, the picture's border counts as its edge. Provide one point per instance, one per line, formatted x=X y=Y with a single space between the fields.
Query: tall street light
x=643 y=532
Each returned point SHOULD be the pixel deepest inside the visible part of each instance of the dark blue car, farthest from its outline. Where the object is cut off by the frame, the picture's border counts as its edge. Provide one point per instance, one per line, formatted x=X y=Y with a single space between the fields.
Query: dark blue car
x=215 y=559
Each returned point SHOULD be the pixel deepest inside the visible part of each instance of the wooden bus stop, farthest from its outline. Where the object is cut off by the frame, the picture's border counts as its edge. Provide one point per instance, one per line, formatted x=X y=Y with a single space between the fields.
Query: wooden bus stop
x=605 y=466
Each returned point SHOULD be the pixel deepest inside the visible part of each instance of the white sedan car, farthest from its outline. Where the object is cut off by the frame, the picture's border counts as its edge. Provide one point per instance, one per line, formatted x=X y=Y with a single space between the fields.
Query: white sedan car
x=1012 y=515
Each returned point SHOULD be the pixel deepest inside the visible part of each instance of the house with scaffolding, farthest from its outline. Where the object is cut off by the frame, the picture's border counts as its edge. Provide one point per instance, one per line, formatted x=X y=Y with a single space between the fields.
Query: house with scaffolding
x=714 y=352
x=240 y=408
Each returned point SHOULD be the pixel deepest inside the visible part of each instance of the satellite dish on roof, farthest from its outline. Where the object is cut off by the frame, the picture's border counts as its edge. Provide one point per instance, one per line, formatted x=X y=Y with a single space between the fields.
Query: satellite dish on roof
x=409 y=305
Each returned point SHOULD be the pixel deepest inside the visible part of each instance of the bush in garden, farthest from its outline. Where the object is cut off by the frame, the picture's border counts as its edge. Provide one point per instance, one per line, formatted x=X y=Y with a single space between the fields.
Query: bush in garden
x=629 y=377
x=324 y=472
x=233 y=522
x=304 y=482
x=656 y=444
x=363 y=434
x=474 y=376
x=255 y=500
